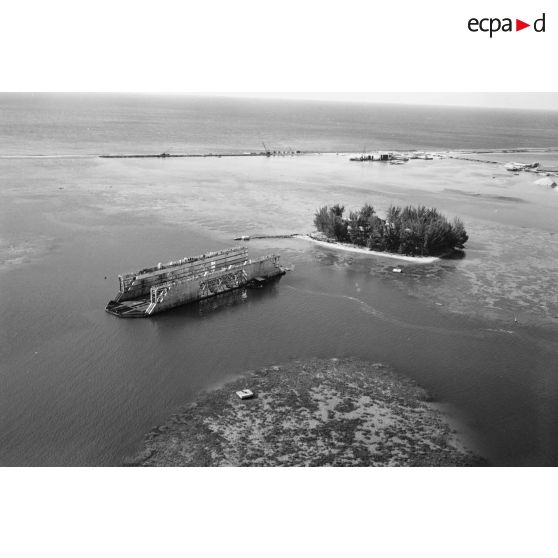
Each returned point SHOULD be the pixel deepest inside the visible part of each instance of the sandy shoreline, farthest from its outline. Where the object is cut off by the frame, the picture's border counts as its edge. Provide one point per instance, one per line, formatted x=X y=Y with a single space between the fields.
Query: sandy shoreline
x=367 y=252
x=316 y=412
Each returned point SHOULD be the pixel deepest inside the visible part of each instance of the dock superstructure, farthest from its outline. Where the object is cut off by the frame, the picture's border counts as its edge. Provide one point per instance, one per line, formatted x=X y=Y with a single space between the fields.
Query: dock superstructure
x=165 y=286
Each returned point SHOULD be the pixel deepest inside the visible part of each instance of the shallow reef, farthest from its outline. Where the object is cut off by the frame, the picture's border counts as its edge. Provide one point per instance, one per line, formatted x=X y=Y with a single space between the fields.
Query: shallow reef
x=334 y=412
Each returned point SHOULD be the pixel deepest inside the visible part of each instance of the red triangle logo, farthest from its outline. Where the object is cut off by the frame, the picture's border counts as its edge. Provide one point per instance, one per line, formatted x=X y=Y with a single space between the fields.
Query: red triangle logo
x=519 y=25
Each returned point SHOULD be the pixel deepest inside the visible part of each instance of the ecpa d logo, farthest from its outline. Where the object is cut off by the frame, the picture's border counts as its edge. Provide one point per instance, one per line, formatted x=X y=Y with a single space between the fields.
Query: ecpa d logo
x=493 y=25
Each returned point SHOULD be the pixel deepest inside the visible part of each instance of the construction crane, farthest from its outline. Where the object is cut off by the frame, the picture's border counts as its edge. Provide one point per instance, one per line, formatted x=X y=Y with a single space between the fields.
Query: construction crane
x=267 y=151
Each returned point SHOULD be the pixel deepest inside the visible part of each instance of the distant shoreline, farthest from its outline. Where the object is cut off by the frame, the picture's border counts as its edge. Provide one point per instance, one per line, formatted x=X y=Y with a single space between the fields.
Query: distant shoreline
x=438 y=153
x=365 y=251
x=298 y=153
x=404 y=154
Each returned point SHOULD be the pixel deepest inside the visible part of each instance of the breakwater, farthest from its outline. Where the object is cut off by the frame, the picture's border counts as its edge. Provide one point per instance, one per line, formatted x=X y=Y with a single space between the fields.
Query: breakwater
x=204 y=155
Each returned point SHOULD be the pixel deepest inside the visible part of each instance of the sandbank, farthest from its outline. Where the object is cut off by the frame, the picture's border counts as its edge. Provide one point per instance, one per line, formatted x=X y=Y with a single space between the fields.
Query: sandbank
x=365 y=251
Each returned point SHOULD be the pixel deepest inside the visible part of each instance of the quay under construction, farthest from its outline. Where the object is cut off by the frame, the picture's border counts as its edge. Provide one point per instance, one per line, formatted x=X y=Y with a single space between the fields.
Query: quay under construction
x=156 y=289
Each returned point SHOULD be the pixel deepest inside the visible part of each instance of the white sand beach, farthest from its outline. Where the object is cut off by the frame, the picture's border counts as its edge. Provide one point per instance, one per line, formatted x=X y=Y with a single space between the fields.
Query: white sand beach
x=367 y=252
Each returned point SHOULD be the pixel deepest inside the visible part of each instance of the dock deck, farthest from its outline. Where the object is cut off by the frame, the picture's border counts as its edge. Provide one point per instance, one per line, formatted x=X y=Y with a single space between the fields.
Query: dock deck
x=128 y=308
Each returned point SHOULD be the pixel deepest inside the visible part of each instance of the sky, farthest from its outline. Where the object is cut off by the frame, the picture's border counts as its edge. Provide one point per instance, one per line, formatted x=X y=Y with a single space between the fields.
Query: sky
x=543 y=101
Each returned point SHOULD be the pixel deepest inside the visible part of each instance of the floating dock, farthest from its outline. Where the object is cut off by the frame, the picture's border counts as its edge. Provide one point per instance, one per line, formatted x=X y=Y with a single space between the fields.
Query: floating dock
x=156 y=289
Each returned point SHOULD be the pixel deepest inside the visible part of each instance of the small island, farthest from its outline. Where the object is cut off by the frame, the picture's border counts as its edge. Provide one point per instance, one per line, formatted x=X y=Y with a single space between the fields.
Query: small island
x=409 y=231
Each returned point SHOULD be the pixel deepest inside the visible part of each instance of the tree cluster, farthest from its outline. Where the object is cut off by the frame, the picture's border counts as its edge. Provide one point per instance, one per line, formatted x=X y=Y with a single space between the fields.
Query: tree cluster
x=409 y=230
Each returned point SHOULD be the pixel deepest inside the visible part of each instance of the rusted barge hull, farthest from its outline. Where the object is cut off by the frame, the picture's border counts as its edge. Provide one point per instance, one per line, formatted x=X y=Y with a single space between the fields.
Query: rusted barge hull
x=156 y=289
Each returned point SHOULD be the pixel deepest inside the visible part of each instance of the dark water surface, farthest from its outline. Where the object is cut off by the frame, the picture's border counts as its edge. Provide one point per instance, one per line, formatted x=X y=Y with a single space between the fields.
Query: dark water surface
x=81 y=387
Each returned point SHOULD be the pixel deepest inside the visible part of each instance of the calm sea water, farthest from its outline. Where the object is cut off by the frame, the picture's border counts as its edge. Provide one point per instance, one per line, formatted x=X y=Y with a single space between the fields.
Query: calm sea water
x=81 y=387
x=92 y=124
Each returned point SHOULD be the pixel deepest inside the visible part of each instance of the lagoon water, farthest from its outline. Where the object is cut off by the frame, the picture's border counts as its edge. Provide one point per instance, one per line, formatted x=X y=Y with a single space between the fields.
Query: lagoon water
x=81 y=387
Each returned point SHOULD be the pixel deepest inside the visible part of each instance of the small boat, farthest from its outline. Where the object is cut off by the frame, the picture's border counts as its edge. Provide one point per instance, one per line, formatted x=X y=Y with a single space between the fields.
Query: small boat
x=397 y=270
x=245 y=394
